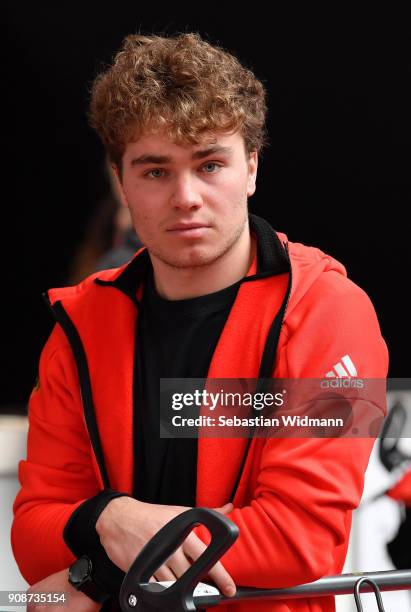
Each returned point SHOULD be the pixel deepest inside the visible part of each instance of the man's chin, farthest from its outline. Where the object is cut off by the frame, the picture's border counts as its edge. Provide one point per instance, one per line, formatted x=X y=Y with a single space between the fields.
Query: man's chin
x=193 y=259
x=196 y=261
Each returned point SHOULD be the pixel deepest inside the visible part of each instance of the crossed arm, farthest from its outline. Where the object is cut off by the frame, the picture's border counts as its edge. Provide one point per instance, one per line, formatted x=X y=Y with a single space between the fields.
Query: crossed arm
x=124 y=527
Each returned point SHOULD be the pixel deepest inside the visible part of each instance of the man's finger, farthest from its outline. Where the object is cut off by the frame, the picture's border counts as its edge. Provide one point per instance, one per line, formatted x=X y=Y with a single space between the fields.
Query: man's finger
x=222 y=578
x=225 y=509
x=193 y=547
x=164 y=573
x=178 y=563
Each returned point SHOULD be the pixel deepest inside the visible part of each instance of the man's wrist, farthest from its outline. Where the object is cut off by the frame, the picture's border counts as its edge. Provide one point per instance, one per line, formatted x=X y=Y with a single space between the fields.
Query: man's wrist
x=58 y=583
x=85 y=603
x=114 y=508
x=81 y=578
x=79 y=533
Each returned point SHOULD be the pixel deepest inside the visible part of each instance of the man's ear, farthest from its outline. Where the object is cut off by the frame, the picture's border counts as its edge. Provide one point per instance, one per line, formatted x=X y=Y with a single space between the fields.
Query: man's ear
x=252 y=173
x=117 y=184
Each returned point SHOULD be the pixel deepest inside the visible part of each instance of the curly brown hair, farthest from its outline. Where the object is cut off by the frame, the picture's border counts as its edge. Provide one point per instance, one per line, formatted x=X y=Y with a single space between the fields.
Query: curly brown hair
x=182 y=85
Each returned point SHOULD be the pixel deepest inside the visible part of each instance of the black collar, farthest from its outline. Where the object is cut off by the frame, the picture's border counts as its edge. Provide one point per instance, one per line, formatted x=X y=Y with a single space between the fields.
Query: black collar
x=272 y=259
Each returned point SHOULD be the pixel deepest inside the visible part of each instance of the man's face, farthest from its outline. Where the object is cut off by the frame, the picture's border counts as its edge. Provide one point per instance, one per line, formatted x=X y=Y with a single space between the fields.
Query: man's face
x=188 y=203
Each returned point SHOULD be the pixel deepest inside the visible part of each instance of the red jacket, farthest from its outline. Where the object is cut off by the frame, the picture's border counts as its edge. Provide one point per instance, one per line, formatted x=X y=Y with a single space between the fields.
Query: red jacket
x=402 y=490
x=294 y=500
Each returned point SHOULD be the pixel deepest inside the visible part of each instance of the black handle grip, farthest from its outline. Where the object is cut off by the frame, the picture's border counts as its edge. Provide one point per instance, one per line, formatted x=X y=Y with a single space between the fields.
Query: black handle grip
x=138 y=594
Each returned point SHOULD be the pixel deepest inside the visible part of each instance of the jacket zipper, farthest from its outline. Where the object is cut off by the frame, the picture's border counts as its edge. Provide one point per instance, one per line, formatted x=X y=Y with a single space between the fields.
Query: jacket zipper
x=272 y=337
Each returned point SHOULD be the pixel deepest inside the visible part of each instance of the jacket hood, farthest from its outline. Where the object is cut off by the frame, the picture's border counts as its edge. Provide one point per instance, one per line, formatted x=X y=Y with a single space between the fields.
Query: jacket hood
x=308 y=264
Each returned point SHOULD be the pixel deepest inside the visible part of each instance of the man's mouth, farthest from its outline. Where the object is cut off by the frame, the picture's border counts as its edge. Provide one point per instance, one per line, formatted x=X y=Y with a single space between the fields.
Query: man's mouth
x=186 y=226
x=189 y=230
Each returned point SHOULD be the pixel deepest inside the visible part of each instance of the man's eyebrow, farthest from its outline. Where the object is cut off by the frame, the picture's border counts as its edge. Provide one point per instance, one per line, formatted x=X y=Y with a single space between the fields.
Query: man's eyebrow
x=146 y=158
x=211 y=151
x=150 y=159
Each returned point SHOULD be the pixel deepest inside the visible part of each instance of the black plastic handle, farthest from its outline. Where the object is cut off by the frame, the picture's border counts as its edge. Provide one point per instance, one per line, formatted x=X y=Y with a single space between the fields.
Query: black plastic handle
x=137 y=594
x=376 y=590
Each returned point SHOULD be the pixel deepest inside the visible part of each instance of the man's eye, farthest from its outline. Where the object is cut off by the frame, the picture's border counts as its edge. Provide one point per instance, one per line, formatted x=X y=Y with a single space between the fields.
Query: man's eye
x=211 y=165
x=155 y=173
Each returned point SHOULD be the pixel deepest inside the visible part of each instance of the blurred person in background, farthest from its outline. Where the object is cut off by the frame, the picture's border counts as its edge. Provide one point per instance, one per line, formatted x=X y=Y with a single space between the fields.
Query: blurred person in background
x=110 y=239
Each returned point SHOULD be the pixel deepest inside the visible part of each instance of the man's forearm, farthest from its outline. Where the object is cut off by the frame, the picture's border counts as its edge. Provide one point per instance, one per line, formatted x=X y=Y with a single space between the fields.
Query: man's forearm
x=82 y=538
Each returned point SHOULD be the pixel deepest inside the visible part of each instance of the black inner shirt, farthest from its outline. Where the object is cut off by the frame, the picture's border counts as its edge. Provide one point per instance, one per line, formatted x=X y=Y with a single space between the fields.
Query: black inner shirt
x=175 y=339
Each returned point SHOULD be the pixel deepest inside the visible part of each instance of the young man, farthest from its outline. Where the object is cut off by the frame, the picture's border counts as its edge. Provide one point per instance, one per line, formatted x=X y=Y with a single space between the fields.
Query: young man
x=215 y=293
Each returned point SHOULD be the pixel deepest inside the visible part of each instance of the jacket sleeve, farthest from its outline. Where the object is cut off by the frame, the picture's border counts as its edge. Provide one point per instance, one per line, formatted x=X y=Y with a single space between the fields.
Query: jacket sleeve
x=296 y=526
x=58 y=474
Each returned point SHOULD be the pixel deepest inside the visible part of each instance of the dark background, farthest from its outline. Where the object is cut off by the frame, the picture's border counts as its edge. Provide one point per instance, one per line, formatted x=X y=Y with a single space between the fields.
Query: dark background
x=336 y=174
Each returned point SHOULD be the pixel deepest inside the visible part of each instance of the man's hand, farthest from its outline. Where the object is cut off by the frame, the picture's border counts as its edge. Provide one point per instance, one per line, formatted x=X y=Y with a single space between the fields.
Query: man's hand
x=126 y=525
x=58 y=583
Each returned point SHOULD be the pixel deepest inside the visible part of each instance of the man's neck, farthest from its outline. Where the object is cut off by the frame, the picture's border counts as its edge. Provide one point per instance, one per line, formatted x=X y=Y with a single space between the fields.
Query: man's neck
x=183 y=283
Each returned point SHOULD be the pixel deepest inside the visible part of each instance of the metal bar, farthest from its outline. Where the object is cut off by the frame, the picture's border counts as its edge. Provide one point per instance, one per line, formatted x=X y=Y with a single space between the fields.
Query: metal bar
x=330 y=585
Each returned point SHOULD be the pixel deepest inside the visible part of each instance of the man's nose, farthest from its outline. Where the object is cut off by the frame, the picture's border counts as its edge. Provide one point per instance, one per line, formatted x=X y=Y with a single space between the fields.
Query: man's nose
x=186 y=193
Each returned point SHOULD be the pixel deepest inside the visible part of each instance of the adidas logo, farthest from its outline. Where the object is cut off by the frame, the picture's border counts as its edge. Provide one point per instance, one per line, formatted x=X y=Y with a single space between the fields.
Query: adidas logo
x=342 y=369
